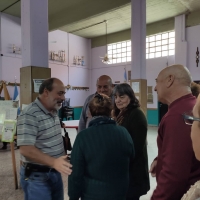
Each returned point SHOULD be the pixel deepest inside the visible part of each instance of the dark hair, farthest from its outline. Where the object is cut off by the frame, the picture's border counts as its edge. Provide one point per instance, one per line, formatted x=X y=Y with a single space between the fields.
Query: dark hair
x=48 y=84
x=101 y=104
x=195 y=88
x=125 y=89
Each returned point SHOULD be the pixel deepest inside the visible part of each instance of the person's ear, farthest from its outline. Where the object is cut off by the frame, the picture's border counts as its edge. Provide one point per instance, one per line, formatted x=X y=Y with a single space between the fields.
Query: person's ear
x=46 y=92
x=170 y=80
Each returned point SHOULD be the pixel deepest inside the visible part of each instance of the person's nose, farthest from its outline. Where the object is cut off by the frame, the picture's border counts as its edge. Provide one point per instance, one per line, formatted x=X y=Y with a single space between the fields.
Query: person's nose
x=117 y=100
x=155 y=89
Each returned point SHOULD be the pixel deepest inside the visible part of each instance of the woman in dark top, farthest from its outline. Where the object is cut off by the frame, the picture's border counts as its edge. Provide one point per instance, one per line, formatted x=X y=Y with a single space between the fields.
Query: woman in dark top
x=128 y=114
x=100 y=157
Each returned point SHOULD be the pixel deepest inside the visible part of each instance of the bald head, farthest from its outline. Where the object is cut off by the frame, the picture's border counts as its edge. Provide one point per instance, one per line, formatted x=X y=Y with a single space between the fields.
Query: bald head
x=104 y=85
x=172 y=83
x=105 y=78
x=181 y=74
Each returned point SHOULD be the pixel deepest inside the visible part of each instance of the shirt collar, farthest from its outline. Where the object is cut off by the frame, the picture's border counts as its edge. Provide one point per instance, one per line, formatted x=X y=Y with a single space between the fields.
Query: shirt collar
x=40 y=105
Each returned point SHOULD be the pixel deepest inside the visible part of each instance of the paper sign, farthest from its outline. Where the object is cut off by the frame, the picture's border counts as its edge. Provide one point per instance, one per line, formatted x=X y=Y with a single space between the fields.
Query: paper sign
x=37 y=83
x=136 y=87
x=9 y=130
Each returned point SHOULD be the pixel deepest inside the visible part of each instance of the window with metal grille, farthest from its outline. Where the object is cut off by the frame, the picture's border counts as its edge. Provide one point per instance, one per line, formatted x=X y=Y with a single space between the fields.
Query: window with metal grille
x=158 y=45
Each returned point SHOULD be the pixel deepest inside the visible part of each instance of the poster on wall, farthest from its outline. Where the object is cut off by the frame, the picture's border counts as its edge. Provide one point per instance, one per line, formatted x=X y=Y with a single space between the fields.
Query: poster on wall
x=136 y=87
x=37 y=83
x=149 y=94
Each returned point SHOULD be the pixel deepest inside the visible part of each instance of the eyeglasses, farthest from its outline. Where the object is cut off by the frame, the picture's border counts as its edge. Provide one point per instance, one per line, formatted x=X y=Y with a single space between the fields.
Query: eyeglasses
x=189 y=118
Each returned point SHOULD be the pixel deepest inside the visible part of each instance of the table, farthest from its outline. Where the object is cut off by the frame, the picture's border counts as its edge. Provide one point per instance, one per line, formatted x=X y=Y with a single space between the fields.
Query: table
x=71 y=124
x=12 y=148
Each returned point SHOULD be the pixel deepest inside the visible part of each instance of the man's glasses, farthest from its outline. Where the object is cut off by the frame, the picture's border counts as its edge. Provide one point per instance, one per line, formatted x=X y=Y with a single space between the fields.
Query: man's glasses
x=189 y=118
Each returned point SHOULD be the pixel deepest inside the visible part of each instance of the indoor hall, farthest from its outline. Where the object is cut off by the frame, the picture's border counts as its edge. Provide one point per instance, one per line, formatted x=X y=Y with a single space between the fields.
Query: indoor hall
x=94 y=42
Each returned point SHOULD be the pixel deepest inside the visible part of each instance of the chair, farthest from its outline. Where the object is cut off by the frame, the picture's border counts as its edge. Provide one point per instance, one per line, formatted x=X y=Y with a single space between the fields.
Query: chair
x=67 y=112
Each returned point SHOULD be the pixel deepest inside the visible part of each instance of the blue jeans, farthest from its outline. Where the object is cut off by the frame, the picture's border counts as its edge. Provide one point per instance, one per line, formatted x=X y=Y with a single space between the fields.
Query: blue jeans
x=42 y=186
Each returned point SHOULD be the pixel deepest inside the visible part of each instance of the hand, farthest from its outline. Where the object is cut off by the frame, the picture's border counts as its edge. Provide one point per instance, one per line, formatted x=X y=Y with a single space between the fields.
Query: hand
x=62 y=165
x=153 y=168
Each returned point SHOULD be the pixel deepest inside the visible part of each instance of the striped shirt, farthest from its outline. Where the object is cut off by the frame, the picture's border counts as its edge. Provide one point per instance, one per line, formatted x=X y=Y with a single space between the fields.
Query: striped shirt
x=36 y=126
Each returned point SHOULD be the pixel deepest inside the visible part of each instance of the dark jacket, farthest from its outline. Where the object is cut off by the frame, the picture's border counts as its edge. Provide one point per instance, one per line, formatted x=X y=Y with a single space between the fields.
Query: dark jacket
x=100 y=159
x=136 y=124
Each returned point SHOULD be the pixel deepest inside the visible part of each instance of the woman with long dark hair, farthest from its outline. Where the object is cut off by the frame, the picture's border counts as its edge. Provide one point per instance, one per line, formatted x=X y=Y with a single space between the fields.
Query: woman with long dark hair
x=128 y=114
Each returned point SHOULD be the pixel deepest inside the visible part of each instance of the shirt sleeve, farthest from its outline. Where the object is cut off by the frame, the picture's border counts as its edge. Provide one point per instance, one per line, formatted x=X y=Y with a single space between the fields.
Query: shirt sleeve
x=176 y=155
x=83 y=117
x=27 y=129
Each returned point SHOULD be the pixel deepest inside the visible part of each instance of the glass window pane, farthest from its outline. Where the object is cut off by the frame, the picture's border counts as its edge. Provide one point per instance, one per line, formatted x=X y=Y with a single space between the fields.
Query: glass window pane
x=128 y=59
x=114 y=51
x=123 y=54
x=158 y=48
x=151 y=55
x=114 y=61
x=123 y=49
x=147 y=50
x=164 y=48
x=147 y=39
x=119 y=60
x=172 y=40
x=128 y=53
x=147 y=45
x=172 y=34
x=119 y=55
x=124 y=59
x=128 y=48
x=158 y=37
x=119 y=45
x=115 y=56
x=164 y=42
x=123 y=44
x=164 y=35
x=152 y=50
x=171 y=46
x=152 y=44
x=119 y=50
x=114 y=46
x=158 y=54
x=110 y=62
x=110 y=52
x=171 y=52
x=158 y=43
x=147 y=56
x=128 y=43
x=152 y=38
x=164 y=53
x=109 y=47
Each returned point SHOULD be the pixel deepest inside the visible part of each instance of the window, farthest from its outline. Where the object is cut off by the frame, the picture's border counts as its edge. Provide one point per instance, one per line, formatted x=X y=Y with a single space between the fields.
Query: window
x=158 y=45
x=119 y=52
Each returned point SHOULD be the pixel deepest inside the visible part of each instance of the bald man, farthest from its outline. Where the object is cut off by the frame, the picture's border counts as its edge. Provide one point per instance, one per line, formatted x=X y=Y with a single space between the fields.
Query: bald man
x=175 y=167
x=104 y=85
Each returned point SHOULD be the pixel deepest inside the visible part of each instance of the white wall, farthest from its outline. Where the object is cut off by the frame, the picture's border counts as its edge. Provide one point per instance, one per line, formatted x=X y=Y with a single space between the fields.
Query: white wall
x=193 y=39
x=58 y=40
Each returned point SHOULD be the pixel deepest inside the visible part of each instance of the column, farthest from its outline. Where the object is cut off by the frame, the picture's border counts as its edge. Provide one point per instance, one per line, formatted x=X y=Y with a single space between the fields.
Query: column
x=34 y=22
x=138 y=42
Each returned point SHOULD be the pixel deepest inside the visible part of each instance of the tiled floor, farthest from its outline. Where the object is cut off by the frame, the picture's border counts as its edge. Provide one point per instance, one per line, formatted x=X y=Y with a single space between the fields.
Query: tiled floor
x=7 y=191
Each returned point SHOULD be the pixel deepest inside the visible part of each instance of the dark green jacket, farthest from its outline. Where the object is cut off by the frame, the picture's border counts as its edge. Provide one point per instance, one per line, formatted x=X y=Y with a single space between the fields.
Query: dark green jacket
x=100 y=159
x=136 y=124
